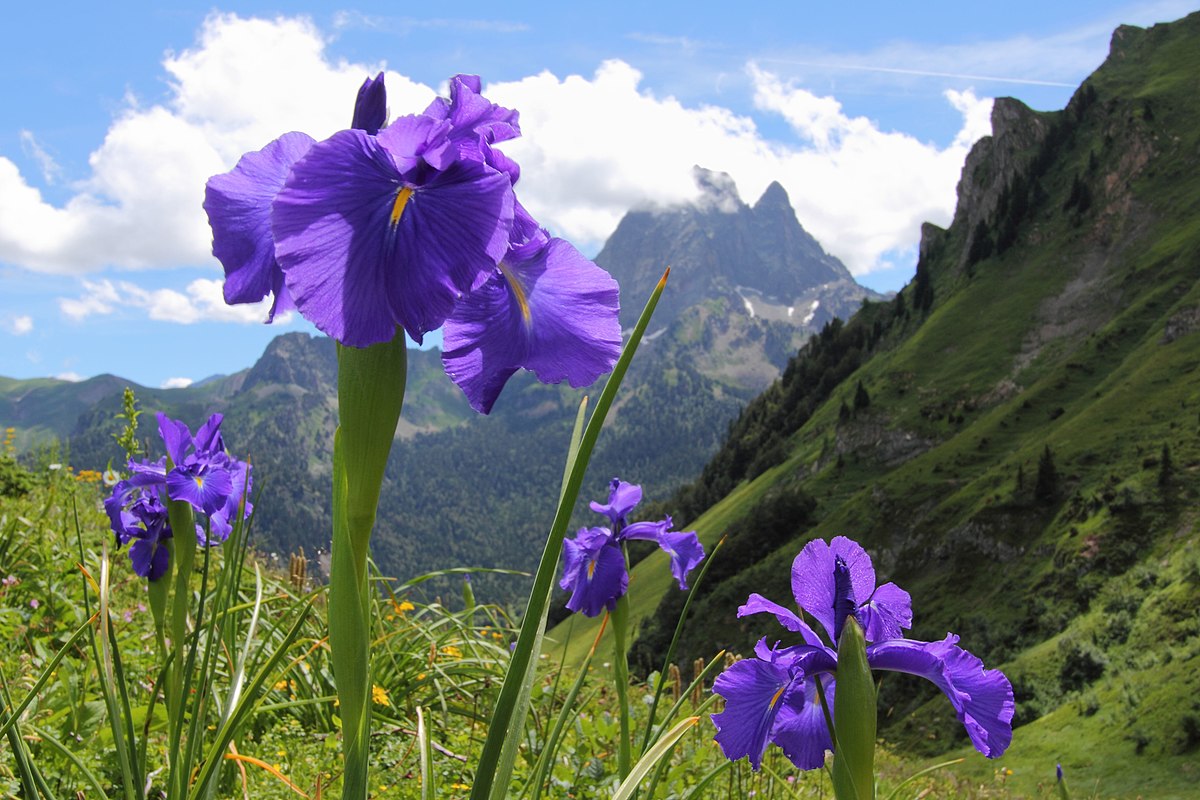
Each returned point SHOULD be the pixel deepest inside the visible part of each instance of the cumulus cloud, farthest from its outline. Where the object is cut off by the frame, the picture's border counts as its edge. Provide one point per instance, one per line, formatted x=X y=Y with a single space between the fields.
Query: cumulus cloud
x=73 y=377
x=201 y=301
x=243 y=84
x=594 y=147
x=20 y=325
x=862 y=191
x=176 y=383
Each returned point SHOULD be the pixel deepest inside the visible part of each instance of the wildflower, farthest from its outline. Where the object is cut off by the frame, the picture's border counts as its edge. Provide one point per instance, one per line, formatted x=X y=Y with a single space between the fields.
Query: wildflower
x=405 y=606
x=451 y=651
x=594 y=561
x=110 y=477
x=379 y=696
x=414 y=225
x=201 y=474
x=34 y=603
x=772 y=697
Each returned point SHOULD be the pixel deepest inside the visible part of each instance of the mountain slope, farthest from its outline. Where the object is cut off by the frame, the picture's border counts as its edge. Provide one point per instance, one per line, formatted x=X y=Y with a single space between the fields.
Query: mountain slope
x=1026 y=458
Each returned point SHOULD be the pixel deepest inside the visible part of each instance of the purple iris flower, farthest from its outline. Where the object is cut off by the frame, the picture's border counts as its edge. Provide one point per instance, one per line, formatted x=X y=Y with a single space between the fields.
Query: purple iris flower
x=772 y=697
x=594 y=568
x=201 y=473
x=415 y=225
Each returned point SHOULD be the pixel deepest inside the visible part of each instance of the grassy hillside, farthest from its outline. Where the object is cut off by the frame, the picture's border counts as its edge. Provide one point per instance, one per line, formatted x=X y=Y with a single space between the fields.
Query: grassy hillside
x=1058 y=315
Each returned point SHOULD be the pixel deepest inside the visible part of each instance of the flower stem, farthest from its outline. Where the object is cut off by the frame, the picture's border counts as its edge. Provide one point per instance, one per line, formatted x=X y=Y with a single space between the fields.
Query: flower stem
x=370 y=395
x=620 y=621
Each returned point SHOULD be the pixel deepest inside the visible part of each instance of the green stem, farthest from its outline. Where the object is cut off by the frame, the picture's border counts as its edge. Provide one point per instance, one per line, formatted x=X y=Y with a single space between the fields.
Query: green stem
x=370 y=396
x=182 y=549
x=620 y=622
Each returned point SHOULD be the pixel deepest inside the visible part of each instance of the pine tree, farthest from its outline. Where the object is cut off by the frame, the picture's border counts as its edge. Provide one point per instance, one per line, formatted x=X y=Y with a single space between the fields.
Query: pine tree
x=1165 y=468
x=844 y=412
x=1046 y=487
x=861 y=399
x=922 y=287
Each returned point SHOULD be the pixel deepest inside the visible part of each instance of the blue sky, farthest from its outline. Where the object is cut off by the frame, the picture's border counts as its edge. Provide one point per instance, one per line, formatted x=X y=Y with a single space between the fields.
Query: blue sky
x=113 y=115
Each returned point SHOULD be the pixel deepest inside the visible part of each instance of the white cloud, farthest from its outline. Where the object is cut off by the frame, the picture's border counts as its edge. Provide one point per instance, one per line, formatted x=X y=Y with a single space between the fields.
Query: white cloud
x=73 y=377
x=593 y=148
x=201 y=301
x=21 y=325
x=176 y=383
x=245 y=83
x=862 y=191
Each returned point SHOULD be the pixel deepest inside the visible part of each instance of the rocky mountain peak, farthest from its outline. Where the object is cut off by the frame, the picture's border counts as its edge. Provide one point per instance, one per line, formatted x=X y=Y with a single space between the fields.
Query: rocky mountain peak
x=774 y=199
x=717 y=191
x=295 y=359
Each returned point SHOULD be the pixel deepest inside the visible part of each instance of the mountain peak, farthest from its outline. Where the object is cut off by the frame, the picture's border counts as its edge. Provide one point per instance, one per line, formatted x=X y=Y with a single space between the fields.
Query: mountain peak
x=717 y=190
x=774 y=197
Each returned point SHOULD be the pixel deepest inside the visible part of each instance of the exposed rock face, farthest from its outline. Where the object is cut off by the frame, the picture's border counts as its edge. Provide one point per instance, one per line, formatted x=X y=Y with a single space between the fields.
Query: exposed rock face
x=296 y=359
x=994 y=161
x=719 y=246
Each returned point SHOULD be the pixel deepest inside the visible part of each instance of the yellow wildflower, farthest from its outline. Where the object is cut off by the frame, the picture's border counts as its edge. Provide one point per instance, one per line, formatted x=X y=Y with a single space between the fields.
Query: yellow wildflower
x=379 y=696
x=451 y=651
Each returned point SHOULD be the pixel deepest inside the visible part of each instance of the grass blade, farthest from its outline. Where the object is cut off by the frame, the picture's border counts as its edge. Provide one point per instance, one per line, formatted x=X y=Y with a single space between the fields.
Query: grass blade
x=647 y=762
x=499 y=751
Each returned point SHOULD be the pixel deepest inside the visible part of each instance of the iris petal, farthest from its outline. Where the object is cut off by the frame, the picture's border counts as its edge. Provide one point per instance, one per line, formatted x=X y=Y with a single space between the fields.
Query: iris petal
x=757 y=604
x=594 y=571
x=550 y=311
x=800 y=729
x=754 y=691
x=238 y=204
x=887 y=614
x=982 y=698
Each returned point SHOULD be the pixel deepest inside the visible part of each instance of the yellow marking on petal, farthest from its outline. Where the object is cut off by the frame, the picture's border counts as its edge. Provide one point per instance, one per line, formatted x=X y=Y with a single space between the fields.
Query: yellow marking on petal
x=401 y=201
x=518 y=292
x=199 y=481
x=776 y=696
x=591 y=569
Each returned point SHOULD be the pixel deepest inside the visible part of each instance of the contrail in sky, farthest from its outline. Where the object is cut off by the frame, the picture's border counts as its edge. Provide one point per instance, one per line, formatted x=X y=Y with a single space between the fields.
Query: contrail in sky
x=921 y=72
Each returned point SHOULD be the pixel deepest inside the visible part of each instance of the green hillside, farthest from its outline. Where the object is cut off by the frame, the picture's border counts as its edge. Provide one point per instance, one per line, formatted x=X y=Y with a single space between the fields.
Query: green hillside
x=1024 y=455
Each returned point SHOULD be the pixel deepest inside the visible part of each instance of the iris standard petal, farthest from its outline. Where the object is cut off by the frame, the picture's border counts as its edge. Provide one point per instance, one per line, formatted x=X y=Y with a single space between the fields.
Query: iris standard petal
x=208 y=437
x=370 y=107
x=475 y=121
x=622 y=498
x=886 y=615
x=800 y=728
x=813 y=582
x=238 y=204
x=368 y=239
x=982 y=698
x=545 y=309
x=176 y=436
x=754 y=690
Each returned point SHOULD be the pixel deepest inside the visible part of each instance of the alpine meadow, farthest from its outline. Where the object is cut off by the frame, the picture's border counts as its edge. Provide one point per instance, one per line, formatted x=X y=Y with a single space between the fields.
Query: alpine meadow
x=756 y=530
